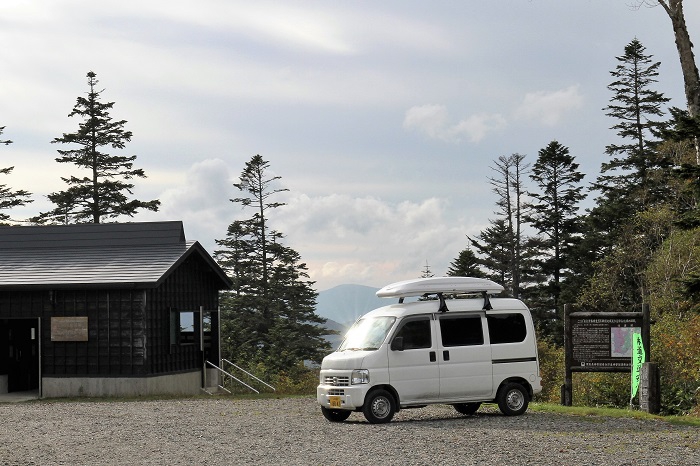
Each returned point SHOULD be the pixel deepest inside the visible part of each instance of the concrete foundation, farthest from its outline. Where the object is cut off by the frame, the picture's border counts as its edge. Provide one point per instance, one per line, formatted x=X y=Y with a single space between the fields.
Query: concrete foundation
x=188 y=383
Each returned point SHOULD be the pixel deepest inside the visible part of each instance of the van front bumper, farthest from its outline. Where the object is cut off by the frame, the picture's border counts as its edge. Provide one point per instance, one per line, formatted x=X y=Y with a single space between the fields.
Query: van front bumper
x=351 y=397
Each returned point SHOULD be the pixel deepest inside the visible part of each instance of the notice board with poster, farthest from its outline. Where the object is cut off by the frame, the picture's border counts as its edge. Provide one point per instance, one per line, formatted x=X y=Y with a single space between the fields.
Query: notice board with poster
x=601 y=342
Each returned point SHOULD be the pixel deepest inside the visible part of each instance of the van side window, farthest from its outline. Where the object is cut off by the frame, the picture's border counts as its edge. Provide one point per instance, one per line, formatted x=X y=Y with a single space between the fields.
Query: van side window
x=416 y=334
x=506 y=328
x=461 y=331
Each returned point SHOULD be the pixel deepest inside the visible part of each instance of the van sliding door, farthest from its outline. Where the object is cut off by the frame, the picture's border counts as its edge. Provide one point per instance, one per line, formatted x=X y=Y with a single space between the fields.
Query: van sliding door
x=465 y=358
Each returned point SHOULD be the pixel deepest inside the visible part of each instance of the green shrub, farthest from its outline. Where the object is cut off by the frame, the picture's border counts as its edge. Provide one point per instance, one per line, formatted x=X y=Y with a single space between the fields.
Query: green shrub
x=551 y=370
x=601 y=389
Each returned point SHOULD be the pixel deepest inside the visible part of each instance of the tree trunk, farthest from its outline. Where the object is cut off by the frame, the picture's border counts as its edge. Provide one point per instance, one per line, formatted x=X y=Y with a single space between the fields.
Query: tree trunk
x=691 y=77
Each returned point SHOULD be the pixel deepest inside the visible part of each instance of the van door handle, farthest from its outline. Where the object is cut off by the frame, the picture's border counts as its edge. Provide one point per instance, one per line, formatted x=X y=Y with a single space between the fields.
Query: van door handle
x=433 y=357
x=446 y=355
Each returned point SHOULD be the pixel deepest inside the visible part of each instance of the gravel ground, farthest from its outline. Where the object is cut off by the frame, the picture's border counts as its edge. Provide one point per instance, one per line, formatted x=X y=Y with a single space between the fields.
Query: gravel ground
x=285 y=431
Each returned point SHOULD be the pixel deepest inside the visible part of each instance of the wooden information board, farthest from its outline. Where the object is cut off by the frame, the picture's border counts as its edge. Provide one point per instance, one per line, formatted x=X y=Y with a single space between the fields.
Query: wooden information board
x=69 y=329
x=600 y=342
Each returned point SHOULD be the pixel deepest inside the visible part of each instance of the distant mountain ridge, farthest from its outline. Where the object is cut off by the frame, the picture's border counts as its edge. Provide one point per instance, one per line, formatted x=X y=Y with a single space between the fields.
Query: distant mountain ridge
x=344 y=304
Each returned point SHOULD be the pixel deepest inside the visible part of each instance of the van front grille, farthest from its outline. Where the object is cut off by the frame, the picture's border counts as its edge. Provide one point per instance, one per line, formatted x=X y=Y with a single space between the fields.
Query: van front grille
x=336 y=392
x=337 y=381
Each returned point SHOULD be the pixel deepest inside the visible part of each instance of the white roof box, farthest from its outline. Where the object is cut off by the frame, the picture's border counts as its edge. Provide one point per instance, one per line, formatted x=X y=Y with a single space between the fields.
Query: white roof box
x=421 y=286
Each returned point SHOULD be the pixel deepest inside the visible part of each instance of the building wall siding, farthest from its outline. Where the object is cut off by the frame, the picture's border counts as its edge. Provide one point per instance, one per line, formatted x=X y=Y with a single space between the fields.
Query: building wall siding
x=128 y=329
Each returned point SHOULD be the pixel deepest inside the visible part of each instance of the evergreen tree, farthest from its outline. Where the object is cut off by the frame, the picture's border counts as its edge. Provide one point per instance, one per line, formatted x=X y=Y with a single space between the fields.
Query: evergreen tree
x=8 y=197
x=509 y=187
x=427 y=273
x=6 y=141
x=553 y=212
x=269 y=315
x=102 y=192
x=686 y=204
x=466 y=265
x=494 y=252
x=627 y=183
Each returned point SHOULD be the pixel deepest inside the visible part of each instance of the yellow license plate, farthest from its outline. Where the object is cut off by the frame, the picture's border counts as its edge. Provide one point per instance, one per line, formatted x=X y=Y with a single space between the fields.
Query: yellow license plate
x=335 y=401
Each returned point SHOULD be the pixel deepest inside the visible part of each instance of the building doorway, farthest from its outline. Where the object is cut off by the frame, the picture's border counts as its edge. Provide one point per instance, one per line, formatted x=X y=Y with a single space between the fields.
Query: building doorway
x=19 y=354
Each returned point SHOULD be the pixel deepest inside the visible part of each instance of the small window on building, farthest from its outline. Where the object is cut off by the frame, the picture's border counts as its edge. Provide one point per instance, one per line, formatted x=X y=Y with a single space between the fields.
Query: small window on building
x=461 y=331
x=182 y=328
x=416 y=334
x=506 y=328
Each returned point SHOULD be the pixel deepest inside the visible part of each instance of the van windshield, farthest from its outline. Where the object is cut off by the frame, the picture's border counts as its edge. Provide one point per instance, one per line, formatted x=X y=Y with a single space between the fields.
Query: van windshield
x=367 y=334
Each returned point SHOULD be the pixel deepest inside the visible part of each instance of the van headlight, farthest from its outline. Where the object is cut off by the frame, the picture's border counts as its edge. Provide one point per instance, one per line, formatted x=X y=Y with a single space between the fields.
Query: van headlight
x=359 y=376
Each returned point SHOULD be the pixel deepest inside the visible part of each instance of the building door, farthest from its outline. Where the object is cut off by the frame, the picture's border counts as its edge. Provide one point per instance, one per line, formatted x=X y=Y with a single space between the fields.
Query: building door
x=20 y=350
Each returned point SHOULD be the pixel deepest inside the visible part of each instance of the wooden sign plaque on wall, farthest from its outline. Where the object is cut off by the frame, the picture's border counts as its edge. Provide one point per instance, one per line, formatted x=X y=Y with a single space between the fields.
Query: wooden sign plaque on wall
x=69 y=329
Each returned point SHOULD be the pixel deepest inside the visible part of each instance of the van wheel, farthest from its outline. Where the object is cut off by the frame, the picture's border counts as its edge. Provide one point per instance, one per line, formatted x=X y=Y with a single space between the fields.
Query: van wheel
x=512 y=399
x=466 y=408
x=335 y=415
x=379 y=407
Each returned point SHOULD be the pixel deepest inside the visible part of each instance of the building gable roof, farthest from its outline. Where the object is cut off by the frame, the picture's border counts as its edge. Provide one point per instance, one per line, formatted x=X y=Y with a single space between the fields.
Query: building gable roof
x=131 y=255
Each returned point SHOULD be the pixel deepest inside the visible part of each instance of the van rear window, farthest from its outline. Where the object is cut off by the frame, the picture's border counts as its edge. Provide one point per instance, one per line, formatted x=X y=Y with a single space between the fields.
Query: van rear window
x=506 y=328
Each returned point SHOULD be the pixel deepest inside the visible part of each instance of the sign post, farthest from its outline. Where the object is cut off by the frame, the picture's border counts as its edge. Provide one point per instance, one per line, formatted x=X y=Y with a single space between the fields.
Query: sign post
x=604 y=342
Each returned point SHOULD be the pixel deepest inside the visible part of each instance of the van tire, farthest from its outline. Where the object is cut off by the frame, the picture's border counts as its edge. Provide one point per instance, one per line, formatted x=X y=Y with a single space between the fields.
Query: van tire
x=335 y=415
x=379 y=406
x=512 y=399
x=467 y=408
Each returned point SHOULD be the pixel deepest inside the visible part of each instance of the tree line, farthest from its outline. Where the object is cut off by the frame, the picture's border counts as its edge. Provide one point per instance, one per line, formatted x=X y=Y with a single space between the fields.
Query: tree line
x=638 y=243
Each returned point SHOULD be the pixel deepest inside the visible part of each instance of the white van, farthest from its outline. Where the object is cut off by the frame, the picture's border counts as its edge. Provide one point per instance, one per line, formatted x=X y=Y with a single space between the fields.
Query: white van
x=453 y=351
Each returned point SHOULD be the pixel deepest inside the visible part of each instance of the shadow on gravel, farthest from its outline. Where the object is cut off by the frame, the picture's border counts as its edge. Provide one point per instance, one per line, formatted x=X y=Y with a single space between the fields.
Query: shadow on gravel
x=548 y=423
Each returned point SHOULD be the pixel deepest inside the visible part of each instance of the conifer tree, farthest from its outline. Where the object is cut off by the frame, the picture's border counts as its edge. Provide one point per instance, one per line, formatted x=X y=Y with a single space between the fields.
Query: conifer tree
x=101 y=191
x=626 y=183
x=494 y=252
x=269 y=315
x=553 y=212
x=427 y=272
x=8 y=197
x=465 y=265
x=6 y=141
x=509 y=187
x=684 y=129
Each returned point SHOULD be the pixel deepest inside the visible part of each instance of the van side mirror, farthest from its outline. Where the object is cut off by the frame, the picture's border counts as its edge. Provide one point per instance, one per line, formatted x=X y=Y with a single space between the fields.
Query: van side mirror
x=397 y=344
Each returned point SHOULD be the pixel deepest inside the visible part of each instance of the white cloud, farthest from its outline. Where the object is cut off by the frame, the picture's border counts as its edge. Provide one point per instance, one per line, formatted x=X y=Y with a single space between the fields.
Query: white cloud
x=201 y=201
x=549 y=107
x=366 y=240
x=433 y=120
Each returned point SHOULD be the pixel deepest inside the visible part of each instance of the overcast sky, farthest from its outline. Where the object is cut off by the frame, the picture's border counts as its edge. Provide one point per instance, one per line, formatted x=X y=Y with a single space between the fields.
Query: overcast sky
x=381 y=117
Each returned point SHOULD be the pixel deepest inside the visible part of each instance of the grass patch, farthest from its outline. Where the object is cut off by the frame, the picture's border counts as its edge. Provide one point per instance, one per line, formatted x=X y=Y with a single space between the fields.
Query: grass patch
x=612 y=412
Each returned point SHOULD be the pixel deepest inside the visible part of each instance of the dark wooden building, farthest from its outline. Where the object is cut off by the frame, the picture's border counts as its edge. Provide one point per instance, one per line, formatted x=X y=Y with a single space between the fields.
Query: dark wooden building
x=107 y=309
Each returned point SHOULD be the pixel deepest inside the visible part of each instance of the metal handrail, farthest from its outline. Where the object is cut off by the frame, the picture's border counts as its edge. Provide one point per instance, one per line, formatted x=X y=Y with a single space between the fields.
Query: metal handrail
x=233 y=377
x=247 y=373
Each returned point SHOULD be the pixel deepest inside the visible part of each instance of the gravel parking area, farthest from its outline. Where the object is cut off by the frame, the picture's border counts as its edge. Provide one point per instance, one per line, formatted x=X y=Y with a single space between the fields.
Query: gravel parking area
x=285 y=431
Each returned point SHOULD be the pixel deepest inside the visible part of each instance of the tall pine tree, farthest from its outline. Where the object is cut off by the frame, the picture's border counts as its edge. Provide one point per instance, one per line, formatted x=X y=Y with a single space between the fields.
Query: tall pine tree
x=269 y=315
x=101 y=191
x=466 y=265
x=553 y=213
x=508 y=185
x=8 y=197
x=628 y=182
x=494 y=252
